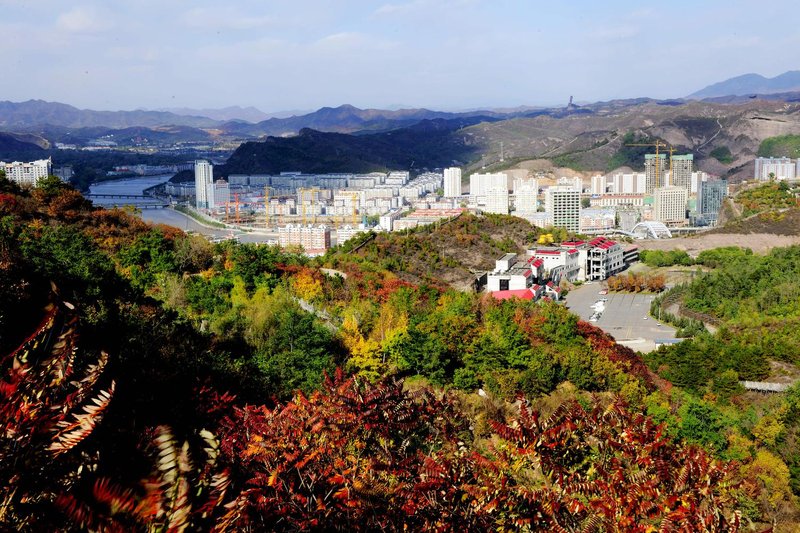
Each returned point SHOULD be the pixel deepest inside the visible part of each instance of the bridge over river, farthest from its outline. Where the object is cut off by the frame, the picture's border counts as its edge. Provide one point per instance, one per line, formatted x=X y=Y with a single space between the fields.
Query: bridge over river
x=139 y=201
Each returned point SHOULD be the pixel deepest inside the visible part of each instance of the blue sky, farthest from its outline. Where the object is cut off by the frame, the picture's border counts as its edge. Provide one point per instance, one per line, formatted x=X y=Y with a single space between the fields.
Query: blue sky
x=444 y=54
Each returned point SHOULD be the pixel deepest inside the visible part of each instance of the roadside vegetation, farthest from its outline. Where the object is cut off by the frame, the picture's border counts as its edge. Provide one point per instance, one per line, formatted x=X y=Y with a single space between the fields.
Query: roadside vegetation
x=766 y=197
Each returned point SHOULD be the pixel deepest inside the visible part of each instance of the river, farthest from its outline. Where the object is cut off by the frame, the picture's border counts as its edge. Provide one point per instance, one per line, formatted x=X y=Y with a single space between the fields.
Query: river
x=170 y=217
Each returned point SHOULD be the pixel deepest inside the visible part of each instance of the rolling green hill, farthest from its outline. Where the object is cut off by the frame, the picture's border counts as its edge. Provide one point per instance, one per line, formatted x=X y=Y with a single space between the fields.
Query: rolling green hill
x=780 y=146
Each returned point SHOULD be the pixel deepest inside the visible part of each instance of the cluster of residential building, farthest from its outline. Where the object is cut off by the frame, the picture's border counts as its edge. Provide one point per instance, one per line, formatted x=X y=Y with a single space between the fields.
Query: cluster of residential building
x=313 y=239
x=27 y=174
x=669 y=191
x=320 y=195
x=149 y=170
x=777 y=168
x=540 y=272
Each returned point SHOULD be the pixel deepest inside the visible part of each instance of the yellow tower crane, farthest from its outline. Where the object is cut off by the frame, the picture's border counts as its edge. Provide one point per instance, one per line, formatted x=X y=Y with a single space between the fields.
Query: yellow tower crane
x=354 y=197
x=311 y=192
x=658 y=144
x=302 y=193
x=266 y=207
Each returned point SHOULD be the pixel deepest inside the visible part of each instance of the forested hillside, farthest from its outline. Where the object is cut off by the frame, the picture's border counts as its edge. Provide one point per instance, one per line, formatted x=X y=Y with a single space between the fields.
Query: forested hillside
x=151 y=380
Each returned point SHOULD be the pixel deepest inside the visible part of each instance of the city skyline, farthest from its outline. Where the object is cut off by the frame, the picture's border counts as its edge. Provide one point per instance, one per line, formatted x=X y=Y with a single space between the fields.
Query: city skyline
x=447 y=54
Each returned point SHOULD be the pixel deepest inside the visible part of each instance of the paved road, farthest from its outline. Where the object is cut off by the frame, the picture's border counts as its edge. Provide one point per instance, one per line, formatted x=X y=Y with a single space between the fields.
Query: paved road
x=186 y=223
x=623 y=316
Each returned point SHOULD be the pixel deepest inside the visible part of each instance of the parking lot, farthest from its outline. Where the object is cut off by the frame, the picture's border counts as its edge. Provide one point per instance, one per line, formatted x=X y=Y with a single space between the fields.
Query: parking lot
x=625 y=316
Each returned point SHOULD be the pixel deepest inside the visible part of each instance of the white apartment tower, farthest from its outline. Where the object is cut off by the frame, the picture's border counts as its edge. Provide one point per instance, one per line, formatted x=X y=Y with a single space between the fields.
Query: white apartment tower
x=599 y=184
x=27 y=173
x=497 y=200
x=480 y=183
x=781 y=168
x=452 y=182
x=564 y=203
x=204 y=184
x=526 y=193
x=669 y=205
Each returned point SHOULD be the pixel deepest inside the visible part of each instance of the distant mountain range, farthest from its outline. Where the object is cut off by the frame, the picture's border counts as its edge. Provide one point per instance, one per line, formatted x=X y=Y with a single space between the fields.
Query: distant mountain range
x=349 y=119
x=427 y=144
x=350 y=139
x=751 y=84
x=248 y=114
x=33 y=114
x=56 y=118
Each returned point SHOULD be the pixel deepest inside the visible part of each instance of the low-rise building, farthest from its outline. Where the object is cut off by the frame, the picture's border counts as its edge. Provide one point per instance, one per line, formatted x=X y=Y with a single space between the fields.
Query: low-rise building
x=347 y=232
x=559 y=263
x=604 y=259
x=617 y=200
x=510 y=275
x=598 y=218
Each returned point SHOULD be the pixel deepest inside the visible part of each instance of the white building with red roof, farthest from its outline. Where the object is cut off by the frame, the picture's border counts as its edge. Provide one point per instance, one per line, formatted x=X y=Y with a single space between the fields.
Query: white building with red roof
x=558 y=262
x=605 y=258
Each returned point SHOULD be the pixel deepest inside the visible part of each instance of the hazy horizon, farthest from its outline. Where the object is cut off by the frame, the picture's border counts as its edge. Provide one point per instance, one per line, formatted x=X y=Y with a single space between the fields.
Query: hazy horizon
x=447 y=54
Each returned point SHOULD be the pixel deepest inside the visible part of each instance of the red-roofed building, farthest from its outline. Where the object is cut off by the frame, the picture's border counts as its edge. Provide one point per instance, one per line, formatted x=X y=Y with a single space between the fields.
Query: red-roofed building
x=524 y=294
x=605 y=258
x=558 y=263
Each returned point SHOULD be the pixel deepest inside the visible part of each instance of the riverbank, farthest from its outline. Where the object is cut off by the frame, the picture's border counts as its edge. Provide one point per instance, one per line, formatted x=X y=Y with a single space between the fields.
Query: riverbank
x=199 y=218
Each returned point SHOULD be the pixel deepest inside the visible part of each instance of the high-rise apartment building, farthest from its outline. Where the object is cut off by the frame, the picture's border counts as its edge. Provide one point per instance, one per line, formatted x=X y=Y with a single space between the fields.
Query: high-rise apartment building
x=628 y=183
x=222 y=193
x=564 y=204
x=452 y=182
x=599 y=184
x=710 y=198
x=497 y=200
x=313 y=239
x=655 y=171
x=697 y=177
x=669 y=204
x=204 y=184
x=480 y=183
x=27 y=173
x=526 y=193
x=780 y=168
x=682 y=171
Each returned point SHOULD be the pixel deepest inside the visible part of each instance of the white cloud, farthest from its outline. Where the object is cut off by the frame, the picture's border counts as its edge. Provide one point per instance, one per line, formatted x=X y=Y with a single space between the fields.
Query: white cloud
x=84 y=19
x=620 y=33
x=223 y=18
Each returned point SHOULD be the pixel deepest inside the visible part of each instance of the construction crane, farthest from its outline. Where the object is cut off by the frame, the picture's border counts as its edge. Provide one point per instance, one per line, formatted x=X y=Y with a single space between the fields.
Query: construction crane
x=311 y=192
x=238 y=220
x=354 y=200
x=658 y=144
x=266 y=207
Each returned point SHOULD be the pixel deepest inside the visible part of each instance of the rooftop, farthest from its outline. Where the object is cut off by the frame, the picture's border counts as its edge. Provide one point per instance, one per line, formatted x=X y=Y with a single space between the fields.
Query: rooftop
x=524 y=294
